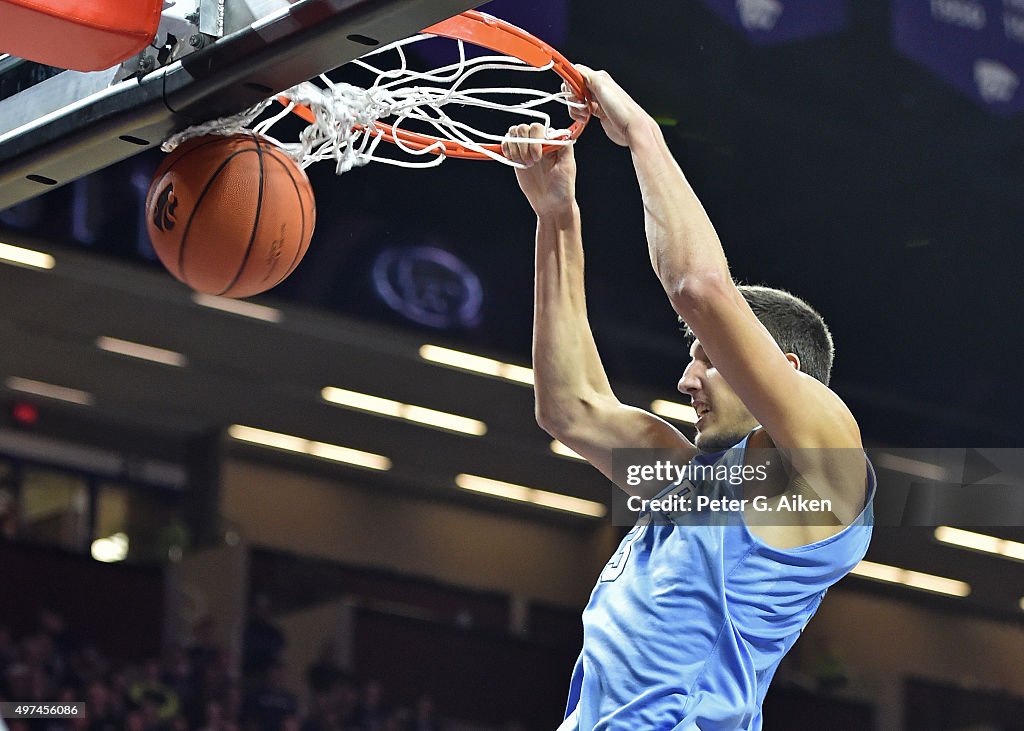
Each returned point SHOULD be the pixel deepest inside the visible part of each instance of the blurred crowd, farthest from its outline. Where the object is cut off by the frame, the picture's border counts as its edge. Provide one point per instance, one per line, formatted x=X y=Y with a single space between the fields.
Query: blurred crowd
x=192 y=687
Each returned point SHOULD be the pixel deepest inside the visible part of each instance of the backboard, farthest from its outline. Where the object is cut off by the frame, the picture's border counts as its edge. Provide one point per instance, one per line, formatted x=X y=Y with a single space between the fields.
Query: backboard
x=56 y=126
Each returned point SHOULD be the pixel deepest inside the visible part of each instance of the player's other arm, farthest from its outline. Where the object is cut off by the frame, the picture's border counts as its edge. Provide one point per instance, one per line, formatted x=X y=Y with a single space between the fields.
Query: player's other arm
x=796 y=410
x=574 y=400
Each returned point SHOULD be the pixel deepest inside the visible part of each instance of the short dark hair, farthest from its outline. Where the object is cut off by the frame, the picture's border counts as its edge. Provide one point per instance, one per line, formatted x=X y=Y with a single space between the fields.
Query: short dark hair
x=796 y=326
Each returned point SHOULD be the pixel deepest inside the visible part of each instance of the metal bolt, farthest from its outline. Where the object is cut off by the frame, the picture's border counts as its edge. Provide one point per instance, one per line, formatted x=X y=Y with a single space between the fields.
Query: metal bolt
x=147 y=64
x=193 y=17
x=196 y=41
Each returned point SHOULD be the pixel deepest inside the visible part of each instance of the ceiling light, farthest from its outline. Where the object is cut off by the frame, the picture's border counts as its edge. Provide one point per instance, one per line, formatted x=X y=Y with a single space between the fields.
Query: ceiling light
x=521 y=493
x=26 y=257
x=407 y=412
x=110 y=549
x=268 y=438
x=477 y=364
x=337 y=453
x=980 y=542
x=238 y=307
x=674 y=410
x=333 y=452
x=143 y=352
x=913 y=579
x=48 y=390
x=361 y=401
x=907 y=466
x=563 y=451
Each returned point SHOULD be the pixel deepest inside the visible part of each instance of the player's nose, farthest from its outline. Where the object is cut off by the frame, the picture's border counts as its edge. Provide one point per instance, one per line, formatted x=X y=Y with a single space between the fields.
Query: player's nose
x=689 y=383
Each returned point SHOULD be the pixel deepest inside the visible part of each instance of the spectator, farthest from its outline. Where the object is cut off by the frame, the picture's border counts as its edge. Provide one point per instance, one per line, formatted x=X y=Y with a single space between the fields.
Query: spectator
x=424 y=718
x=87 y=664
x=159 y=702
x=176 y=674
x=203 y=650
x=270 y=705
x=370 y=715
x=264 y=641
x=214 y=718
x=101 y=712
x=324 y=671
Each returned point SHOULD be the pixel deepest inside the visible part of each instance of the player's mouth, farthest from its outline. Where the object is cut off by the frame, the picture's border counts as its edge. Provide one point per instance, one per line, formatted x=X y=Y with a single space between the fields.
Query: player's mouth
x=702 y=410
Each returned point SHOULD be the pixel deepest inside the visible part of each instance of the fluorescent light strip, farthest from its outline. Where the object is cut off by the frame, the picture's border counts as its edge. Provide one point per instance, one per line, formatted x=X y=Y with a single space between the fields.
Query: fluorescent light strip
x=287 y=442
x=908 y=466
x=26 y=257
x=238 y=307
x=980 y=542
x=563 y=451
x=477 y=364
x=140 y=351
x=407 y=412
x=523 y=494
x=48 y=390
x=675 y=411
x=913 y=579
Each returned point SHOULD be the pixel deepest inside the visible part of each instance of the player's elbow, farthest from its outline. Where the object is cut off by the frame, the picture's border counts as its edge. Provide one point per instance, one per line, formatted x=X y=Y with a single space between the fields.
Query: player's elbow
x=699 y=292
x=560 y=417
x=553 y=417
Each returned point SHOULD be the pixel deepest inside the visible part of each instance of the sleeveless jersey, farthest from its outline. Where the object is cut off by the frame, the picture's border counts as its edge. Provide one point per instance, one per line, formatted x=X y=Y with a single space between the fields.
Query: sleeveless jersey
x=689 y=621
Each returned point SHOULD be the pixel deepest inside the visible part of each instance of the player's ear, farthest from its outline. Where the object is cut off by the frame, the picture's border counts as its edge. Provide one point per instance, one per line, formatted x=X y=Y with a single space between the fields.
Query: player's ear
x=794 y=359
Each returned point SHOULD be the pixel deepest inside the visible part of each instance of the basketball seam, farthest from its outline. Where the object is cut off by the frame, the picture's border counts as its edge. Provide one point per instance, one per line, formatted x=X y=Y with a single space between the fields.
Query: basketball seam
x=255 y=223
x=195 y=209
x=302 y=232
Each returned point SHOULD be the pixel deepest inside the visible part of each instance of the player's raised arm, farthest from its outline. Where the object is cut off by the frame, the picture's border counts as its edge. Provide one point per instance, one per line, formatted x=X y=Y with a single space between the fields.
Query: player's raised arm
x=574 y=401
x=794 y=408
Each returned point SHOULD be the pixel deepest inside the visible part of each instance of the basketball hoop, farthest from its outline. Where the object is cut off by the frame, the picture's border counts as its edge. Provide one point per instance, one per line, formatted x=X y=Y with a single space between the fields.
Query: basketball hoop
x=345 y=121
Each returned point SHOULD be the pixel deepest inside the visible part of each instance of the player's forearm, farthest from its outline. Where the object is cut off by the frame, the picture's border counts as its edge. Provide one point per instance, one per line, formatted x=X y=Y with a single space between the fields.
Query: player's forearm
x=684 y=246
x=568 y=374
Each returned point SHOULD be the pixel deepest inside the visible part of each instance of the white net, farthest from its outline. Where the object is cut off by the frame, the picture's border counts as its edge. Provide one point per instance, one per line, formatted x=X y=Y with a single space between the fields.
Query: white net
x=346 y=117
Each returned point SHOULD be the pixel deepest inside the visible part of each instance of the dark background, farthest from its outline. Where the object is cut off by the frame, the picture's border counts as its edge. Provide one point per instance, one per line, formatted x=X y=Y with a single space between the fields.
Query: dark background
x=832 y=166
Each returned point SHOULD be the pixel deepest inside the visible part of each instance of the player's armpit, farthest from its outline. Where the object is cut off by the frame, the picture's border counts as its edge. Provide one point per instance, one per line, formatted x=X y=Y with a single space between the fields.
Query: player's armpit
x=603 y=424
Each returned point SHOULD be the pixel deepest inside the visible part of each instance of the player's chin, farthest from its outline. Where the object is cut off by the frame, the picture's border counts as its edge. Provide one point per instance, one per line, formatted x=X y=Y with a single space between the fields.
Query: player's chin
x=715 y=440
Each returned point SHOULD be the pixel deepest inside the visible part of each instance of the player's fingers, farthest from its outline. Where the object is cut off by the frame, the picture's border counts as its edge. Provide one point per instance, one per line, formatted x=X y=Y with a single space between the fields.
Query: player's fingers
x=570 y=93
x=537 y=132
x=599 y=83
x=523 y=134
x=590 y=77
x=518 y=149
x=579 y=114
x=509 y=147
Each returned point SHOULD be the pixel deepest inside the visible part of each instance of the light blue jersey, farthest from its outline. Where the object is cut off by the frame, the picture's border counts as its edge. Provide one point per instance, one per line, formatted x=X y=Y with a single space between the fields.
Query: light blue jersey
x=688 y=623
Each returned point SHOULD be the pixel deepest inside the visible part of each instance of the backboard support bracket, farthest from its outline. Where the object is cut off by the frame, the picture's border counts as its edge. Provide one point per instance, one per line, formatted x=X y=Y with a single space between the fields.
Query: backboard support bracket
x=91 y=125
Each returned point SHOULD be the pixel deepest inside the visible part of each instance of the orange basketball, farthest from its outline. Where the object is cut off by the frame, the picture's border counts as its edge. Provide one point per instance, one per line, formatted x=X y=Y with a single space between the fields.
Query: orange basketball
x=230 y=216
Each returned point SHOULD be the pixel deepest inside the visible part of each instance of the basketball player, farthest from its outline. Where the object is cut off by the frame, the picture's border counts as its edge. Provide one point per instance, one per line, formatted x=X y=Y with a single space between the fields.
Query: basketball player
x=690 y=617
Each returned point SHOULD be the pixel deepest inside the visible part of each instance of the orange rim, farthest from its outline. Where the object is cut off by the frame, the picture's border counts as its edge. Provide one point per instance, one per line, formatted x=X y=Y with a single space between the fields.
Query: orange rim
x=497 y=35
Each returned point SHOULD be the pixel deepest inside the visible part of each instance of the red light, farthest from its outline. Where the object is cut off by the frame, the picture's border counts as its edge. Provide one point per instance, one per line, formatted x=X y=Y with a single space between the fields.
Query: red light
x=25 y=414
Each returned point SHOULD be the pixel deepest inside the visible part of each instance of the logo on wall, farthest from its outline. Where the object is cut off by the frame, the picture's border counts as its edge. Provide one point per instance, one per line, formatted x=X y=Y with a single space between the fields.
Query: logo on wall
x=759 y=14
x=429 y=286
x=996 y=81
x=976 y=46
x=770 y=22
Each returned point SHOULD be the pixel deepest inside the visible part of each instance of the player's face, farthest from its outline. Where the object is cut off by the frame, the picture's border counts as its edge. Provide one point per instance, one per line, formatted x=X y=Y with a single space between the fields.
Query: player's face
x=722 y=419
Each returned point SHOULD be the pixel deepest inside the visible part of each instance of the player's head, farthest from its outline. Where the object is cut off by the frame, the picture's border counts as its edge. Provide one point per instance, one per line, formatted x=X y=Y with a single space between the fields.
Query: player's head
x=800 y=333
